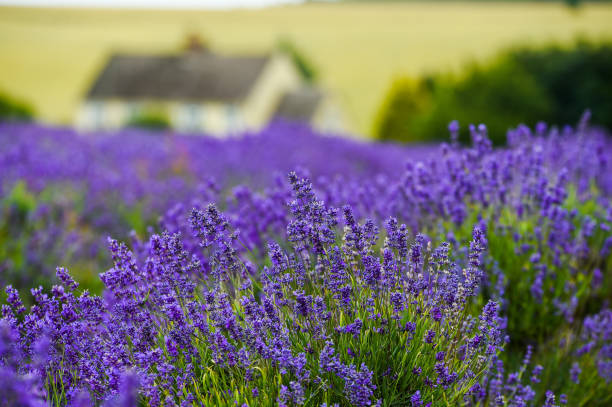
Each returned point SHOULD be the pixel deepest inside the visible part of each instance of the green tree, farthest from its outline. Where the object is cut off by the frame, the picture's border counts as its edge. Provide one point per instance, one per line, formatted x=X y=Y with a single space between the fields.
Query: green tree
x=405 y=101
x=502 y=96
x=11 y=109
x=572 y=3
x=522 y=85
x=575 y=79
x=301 y=61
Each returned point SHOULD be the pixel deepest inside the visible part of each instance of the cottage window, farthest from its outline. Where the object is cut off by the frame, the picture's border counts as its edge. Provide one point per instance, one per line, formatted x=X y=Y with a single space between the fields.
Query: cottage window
x=132 y=111
x=97 y=114
x=232 y=118
x=193 y=119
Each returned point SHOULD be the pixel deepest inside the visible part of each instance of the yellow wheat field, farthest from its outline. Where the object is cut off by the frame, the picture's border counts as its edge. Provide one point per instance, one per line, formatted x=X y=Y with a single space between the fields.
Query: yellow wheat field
x=49 y=57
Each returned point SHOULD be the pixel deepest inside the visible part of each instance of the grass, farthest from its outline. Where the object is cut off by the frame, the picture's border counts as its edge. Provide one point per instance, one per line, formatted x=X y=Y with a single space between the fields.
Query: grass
x=50 y=56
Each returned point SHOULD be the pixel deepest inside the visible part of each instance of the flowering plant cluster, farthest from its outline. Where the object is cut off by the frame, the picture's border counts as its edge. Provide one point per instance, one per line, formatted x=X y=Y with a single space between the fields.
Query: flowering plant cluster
x=62 y=193
x=466 y=276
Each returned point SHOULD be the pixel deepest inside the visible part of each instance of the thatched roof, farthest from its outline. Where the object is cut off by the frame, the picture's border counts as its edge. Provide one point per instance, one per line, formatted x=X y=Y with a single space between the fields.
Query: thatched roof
x=299 y=105
x=190 y=76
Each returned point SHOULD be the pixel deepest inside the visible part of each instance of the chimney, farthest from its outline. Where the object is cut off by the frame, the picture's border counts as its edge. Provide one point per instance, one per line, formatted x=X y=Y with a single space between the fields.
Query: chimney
x=195 y=44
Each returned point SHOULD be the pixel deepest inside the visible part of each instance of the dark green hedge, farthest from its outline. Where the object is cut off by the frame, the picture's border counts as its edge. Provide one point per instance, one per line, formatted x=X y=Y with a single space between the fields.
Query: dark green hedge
x=150 y=120
x=522 y=85
x=11 y=109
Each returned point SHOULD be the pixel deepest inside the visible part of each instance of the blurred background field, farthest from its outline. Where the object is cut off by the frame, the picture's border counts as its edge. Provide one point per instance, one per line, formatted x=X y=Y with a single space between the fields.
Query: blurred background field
x=49 y=57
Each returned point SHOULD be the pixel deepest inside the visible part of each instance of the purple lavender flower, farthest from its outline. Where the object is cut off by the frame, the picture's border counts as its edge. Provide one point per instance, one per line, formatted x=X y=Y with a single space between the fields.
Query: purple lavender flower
x=66 y=279
x=265 y=281
x=127 y=394
x=575 y=372
x=436 y=314
x=550 y=399
x=535 y=374
x=415 y=399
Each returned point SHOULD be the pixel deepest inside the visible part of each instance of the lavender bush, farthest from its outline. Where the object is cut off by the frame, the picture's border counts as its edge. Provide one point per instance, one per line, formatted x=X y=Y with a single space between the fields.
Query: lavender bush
x=427 y=276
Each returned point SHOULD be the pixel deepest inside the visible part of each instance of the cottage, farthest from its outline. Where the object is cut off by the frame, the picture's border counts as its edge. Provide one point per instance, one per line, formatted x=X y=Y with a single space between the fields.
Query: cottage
x=200 y=91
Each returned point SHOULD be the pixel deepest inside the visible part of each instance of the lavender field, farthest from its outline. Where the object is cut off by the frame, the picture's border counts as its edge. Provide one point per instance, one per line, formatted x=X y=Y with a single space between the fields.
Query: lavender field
x=290 y=268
